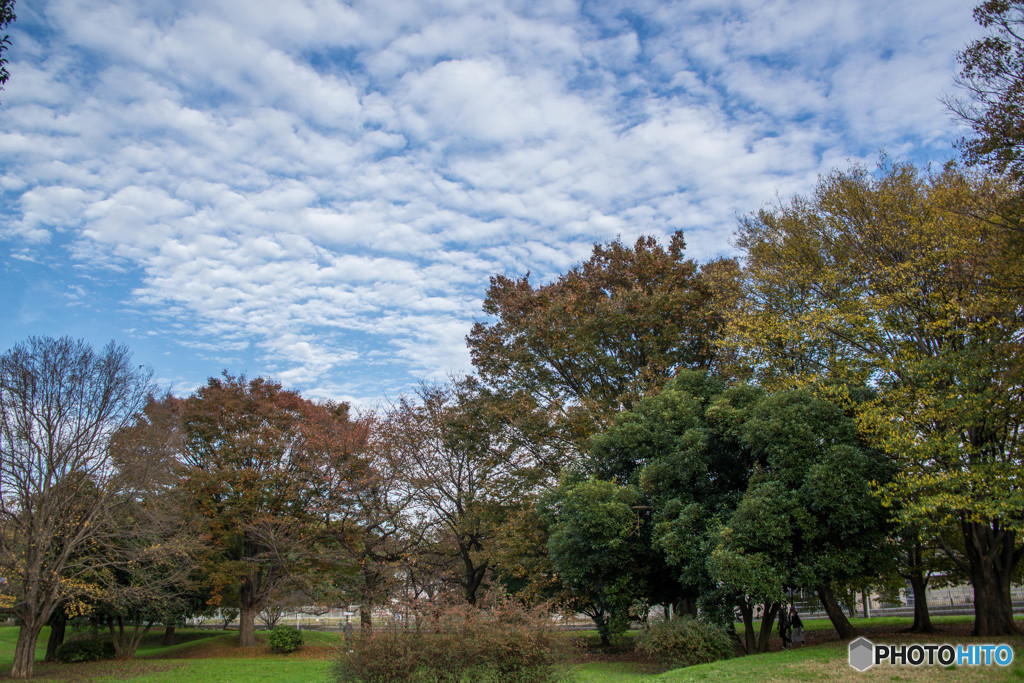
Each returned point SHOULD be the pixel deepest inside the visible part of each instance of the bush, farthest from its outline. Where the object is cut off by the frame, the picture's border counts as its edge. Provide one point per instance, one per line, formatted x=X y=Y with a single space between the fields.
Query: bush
x=686 y=641
x=498 y=641
x=284 y=639
x=85 y=651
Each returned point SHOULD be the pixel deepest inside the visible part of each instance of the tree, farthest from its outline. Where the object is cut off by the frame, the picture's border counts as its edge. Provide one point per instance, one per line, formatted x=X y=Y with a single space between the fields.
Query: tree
x=688 y=471
x=594 y=546
x=898 y=280
x=60 y=403
x=462 y=469
x=603 y=335
x=992 y=75
x=243 y=464
x=6 y=17
x=831 y=530
x=388 y=532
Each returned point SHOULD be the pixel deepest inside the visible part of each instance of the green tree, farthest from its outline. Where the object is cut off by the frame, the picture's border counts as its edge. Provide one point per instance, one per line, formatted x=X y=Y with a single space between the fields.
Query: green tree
x=829 y=528
x=594 y=544
x=752 y=561
x=60 y=404
x=688 y=471
x=899 y=280
x=608 y=332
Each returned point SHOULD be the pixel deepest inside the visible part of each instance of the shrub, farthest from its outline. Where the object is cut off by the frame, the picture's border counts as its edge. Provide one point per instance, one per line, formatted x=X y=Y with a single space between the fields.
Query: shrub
x=284 y=639
x=85 y=651
x=686 y=641
x=498 y=641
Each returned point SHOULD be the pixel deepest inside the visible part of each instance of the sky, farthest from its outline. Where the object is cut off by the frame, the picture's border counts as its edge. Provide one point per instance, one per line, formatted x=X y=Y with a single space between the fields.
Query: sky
x=318 y=192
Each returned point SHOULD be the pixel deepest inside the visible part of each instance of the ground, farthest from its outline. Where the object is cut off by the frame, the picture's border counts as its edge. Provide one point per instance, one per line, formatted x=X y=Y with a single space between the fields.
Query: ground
x=214 y=656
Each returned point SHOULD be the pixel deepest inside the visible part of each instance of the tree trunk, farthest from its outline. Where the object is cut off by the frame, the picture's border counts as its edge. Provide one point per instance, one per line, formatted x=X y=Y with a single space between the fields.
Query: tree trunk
x=58 y=626
x=602 y=621
x=25 y=650
x=992 y=558
x=767 y=621
x=835 y=613
x=365 y=618
x=747 y=611
x=169 y=634
x=247 y=626
x=473 y=575
x=922 y=618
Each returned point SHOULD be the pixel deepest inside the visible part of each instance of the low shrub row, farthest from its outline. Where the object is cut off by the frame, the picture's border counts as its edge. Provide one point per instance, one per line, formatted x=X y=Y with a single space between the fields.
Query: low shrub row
x=499 y=641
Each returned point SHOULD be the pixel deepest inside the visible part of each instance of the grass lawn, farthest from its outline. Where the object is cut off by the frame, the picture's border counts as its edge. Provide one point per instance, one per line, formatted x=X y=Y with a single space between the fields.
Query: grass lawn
x=215 y=656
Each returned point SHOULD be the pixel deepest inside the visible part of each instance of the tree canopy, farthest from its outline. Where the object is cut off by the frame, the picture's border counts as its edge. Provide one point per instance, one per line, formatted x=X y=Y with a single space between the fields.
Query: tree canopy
x=992 y=76
x=605 y=334
x=61 y=402
x=902 y=280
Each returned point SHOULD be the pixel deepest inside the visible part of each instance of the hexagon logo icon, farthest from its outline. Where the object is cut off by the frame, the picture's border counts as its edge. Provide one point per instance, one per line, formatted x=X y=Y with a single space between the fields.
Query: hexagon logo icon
x=862 y=654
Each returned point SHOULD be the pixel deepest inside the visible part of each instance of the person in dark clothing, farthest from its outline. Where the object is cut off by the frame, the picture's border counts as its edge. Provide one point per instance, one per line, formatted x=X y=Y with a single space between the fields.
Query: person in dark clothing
x=798 y=627
x=784 y=627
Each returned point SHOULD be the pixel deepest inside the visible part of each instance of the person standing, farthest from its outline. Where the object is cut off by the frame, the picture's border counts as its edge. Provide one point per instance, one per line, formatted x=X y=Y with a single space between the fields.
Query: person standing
x=784 y=627
x=798 y=627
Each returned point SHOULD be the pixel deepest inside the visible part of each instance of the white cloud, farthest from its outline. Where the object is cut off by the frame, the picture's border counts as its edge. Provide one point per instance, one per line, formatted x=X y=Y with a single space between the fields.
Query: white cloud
x=320 y=190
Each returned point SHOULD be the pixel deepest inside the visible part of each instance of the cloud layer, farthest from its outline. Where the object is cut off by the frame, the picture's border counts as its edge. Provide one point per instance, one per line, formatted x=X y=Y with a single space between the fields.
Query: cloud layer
x=319 y=191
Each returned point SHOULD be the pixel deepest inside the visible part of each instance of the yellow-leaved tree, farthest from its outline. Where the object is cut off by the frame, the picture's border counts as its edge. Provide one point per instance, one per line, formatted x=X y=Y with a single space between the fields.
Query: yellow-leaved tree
x=907 y=281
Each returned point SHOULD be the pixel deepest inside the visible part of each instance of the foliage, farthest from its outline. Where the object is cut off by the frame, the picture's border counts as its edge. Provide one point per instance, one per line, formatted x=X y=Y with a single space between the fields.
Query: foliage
x=992 y=76
x=686 y=641
x=448 y=641
x=6 y=17
x=903 y=281
x=462 y=467
x=596 y=548
x=60 y=404
x=611 y=330
x=85 y=650
x=284 y=639
x=251 y=457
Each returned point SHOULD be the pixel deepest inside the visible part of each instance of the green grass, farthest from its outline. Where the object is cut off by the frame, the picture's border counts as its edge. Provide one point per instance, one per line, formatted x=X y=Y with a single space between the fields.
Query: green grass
x=215 y=656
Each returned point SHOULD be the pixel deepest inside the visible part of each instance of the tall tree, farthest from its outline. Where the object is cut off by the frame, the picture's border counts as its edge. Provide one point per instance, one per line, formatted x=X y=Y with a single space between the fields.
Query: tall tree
x=992 y=76
x=898 y=280
x=462 y=468
x=243 y=462
x=60 y=403
x=603 y=335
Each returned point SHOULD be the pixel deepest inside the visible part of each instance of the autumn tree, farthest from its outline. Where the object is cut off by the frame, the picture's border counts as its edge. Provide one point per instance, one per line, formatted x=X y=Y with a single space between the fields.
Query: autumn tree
x=992 y=77
x=366 y=505
x=600 y=337
x=463 y=469
x=243 y=463
x=896 y=280
x=147 y=572
x=60 y=403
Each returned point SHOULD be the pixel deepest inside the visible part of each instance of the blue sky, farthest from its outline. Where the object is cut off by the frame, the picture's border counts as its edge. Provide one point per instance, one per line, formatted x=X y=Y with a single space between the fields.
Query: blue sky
x=319 y=191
